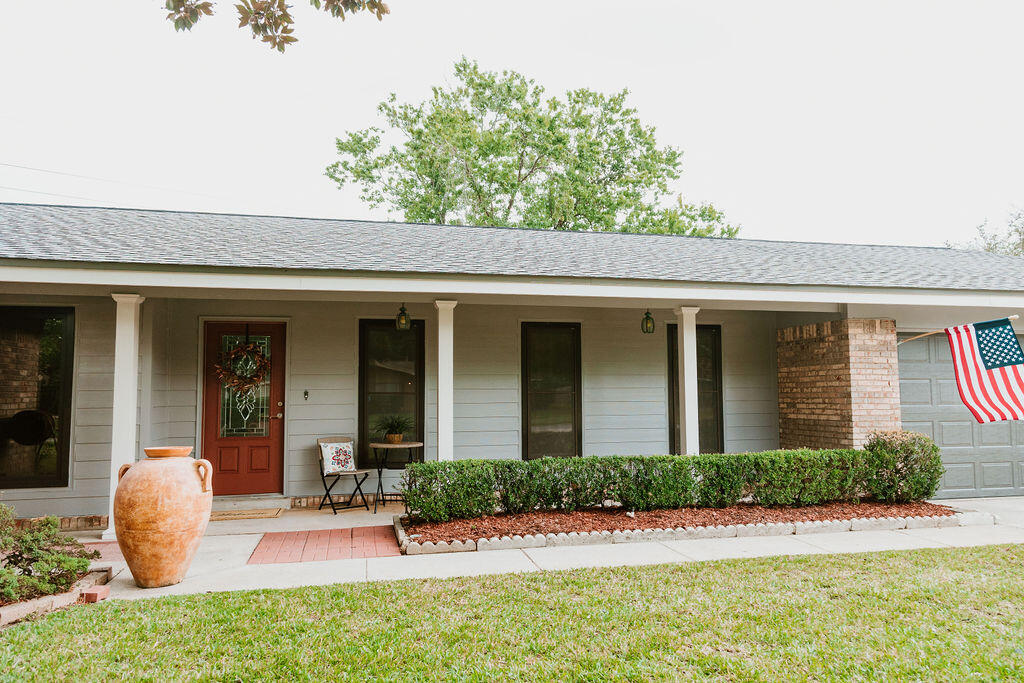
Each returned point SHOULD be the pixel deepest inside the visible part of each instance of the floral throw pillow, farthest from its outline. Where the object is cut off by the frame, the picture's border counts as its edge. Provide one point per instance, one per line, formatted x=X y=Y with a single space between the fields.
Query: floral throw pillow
x=338 y=457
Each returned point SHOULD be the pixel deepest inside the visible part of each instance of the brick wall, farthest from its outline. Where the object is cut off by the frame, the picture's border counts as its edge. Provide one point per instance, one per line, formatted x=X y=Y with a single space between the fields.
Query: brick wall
x=838 y=381
x=79 y=523
x=19 y=370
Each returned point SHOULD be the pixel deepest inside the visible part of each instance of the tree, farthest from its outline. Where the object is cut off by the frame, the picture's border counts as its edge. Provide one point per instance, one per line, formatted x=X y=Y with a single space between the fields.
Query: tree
x=494 y=150
x=1009 y=241
x=269 y=20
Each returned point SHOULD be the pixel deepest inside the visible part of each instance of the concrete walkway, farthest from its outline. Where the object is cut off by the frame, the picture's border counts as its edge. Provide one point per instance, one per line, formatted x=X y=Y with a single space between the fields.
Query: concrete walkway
x=222 y=561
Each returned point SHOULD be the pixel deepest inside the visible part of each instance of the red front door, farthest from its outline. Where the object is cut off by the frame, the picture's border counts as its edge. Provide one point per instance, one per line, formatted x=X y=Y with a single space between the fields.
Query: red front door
x=243 y=433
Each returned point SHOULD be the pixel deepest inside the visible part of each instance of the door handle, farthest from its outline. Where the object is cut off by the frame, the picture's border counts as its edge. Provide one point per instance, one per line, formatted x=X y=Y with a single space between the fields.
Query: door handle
x=279 y=416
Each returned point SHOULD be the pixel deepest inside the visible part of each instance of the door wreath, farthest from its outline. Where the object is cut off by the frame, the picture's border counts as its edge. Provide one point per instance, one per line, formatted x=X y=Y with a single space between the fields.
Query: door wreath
x=243 y=368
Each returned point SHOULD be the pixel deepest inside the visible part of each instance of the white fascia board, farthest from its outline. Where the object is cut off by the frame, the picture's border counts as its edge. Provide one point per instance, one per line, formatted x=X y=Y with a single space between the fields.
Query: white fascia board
x=500 y=286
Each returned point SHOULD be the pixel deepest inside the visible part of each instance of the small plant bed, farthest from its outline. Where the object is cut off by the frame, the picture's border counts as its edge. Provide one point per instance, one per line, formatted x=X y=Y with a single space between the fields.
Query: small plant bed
x=90 y=582
x=36 y=560
x=585 y=521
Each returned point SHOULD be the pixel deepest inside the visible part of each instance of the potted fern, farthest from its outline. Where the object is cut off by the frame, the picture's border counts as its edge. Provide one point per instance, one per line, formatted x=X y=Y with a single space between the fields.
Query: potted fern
x=393 y=427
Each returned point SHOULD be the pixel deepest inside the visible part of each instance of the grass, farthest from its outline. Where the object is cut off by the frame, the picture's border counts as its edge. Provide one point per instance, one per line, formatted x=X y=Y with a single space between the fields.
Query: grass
x=948 y=614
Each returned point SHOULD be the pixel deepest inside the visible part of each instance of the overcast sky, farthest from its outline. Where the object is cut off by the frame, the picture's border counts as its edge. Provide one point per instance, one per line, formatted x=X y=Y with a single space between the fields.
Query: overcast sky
x=883 y=122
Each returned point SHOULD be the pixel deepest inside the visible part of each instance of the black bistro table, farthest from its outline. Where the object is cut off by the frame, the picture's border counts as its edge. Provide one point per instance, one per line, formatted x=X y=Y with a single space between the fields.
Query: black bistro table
x=380 y=452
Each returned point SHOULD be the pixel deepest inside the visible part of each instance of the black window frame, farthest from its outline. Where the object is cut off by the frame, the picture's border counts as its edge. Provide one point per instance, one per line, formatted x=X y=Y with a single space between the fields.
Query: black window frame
x=62 y=476
x=577 y=384
x=364 y=459
x=672 y=342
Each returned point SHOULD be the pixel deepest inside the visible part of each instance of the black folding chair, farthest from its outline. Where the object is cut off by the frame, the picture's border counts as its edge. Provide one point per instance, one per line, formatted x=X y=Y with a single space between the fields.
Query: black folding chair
x=358 y=477
x=32 y=428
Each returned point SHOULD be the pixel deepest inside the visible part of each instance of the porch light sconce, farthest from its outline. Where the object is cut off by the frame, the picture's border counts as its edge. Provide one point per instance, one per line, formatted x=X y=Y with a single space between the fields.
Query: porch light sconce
x=647 y=324
x=402 y=320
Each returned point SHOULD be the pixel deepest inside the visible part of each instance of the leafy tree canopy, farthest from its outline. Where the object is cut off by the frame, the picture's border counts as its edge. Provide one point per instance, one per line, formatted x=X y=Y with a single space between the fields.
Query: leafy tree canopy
x=494 y=150
x=1008 y=240
x=269 y=20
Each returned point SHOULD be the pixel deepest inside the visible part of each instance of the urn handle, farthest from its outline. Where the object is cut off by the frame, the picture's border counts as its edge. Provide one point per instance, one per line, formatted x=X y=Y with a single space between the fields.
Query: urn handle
x=124 y=468
x=205 y=470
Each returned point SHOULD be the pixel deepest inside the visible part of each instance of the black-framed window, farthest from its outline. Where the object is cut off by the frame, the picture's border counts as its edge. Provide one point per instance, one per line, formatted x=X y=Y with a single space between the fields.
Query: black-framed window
x=552 y=390
x=709 y=389
x=36 y=369
x=391 y=381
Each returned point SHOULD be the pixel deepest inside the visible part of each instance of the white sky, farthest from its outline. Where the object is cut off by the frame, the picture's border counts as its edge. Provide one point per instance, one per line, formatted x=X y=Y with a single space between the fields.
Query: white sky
x=884 y=122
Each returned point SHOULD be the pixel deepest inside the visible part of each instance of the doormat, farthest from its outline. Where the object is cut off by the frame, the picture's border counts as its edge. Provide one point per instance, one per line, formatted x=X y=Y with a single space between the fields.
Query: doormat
x=227 y=515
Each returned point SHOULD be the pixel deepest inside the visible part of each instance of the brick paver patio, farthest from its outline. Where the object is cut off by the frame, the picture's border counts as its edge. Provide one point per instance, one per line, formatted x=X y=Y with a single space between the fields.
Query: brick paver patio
x=326 y=544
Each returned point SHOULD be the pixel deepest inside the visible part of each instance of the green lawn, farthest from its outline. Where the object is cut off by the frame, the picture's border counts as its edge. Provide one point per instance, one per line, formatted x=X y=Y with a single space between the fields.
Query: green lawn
x=951 y=614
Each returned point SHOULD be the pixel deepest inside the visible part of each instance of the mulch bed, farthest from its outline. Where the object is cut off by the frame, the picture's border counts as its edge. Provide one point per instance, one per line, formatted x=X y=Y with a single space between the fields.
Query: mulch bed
x=618 y=520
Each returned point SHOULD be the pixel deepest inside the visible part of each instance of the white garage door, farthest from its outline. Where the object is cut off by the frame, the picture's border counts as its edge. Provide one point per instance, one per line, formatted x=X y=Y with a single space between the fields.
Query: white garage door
x=980 y=460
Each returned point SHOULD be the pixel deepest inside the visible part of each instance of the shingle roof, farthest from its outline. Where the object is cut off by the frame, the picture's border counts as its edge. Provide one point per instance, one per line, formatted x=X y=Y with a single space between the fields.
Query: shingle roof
x=132 y=236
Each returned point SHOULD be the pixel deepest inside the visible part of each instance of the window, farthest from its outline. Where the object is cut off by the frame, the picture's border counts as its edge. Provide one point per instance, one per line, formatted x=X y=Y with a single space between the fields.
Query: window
x=36 y=362
x=709 y=388
x=390 y=383
x=552 y=402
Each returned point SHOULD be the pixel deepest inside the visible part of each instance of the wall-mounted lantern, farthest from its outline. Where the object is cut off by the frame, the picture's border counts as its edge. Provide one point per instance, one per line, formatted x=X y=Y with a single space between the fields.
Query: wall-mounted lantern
x=402 y=320
x=647 y=324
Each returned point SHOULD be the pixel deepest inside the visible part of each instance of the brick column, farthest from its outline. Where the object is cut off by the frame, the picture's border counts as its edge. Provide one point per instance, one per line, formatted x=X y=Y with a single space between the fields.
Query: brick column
x=838 y=381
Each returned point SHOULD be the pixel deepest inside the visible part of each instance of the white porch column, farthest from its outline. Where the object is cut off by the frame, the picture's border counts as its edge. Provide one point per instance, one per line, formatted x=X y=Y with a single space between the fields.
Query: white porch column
x=126 y=392
x=689 y=425
x=445 y=379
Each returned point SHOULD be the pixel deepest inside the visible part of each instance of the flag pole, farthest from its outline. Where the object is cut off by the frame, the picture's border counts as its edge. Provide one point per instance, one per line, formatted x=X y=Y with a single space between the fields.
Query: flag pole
x=928 y=334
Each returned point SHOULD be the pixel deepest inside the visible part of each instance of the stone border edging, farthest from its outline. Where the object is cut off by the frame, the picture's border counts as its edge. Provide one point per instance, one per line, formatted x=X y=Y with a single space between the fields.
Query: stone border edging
x=411 y=547
x=50 y=603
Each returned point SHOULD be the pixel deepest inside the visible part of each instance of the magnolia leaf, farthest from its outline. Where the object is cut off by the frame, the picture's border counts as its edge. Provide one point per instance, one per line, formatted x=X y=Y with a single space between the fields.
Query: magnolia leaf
x=268 y=20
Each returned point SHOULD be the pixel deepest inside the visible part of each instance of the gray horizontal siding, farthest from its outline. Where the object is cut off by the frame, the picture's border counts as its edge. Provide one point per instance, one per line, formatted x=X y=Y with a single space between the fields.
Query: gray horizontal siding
x=625 y=384
x=92 y=384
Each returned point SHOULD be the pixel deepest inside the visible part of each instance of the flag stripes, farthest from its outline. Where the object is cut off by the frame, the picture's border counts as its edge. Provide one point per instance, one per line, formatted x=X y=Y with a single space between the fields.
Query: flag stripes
x=990 y=395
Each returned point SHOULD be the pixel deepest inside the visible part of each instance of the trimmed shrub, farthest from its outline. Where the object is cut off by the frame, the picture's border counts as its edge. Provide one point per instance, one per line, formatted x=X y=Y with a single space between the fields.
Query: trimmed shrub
x=720 y=479
x=804 y=476
x=516 y=482
x=37 y=559
x=901 y=467
x=650 y=482
x=440 y=491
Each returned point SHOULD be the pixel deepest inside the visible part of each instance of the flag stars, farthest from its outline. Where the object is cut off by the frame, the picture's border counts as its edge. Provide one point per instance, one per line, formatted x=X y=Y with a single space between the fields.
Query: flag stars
x=998 y=346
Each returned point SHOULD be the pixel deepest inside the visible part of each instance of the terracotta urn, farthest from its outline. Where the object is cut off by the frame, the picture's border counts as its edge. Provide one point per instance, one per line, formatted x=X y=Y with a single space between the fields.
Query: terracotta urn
x=161 y=509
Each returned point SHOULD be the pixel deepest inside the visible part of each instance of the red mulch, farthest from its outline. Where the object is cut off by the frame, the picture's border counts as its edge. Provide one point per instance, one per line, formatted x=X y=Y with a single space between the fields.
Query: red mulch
x=617 y=520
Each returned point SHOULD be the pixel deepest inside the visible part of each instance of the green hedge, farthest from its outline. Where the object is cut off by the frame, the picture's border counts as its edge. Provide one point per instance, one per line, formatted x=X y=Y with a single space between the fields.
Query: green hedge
x=890 y=469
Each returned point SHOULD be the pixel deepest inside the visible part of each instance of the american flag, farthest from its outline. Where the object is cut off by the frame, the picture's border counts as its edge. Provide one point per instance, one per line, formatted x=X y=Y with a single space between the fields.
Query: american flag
x=989 y=367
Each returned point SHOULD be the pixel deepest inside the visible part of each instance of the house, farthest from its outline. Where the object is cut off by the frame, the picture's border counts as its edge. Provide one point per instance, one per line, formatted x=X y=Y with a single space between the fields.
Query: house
x=522 y=343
